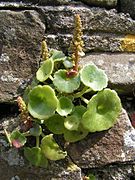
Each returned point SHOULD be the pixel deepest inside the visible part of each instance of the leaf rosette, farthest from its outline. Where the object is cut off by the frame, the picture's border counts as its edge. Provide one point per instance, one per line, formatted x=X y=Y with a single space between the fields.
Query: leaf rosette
x=42 y=102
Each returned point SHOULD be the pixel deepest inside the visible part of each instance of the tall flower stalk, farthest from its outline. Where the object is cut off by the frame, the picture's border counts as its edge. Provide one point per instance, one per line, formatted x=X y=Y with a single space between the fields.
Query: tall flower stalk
x=76 y=46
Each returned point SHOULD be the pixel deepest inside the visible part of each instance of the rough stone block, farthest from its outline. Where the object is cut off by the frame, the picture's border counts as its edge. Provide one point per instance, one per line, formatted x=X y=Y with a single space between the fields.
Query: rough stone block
x=101 y=3
x=128 y=6
x=102 y=148
x=120 y=69
x=20 y=35
x=61 y=20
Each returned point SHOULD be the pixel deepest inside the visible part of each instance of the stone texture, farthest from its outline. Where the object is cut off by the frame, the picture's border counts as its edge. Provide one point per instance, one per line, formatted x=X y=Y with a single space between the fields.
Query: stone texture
x=120 y=69
x=36 y=2
x=97 y=42
x=20 y=36
x=61 y=20
x=115 y=172
x=102 y=148
x=128 y=6
x=101 y=3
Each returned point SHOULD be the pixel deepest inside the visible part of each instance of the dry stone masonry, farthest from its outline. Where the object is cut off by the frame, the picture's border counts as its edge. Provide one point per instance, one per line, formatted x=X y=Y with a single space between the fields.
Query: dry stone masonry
x=109 y=36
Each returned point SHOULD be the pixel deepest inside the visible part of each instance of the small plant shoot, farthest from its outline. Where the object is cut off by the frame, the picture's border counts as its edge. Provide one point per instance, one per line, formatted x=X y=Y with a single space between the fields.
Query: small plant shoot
x=54 y=103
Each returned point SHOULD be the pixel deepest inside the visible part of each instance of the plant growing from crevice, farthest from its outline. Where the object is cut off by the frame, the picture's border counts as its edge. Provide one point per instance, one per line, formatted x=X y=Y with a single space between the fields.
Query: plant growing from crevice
x=55 y=103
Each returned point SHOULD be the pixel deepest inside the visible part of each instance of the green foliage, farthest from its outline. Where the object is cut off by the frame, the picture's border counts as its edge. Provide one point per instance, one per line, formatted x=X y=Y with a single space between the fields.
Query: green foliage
x=35 y=156
x=54 y=102
x=42 y=102
x=51 y=149
x=45 y=70
x=17 y=139
x=93 y=77
x=65 y=84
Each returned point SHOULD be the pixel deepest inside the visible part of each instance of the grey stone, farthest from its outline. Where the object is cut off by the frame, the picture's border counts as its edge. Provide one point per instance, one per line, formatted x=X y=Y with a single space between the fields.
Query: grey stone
x=101 y=3
x=97 y=42
x=114 y=172
x=61 y=20
x=36 y=2
x=56 y=171
x=20 y=35
x=120 y=69
x=102 y=148
x=128 y=6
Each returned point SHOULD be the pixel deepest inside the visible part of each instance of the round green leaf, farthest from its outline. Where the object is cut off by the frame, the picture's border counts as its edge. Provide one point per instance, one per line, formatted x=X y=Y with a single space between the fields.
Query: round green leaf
x=42 y=102
x=93 y=77
x=72 y=123
x=36 y=130
x=103 y=110
x=18 y=139
x=65 y=106
x=57 y=55
x=79 y=111
x=65 y=84
x=55 y=124
x=35 y=156
x=51 y=149
x=68 y=63
x=45 y=70
x=74 y=136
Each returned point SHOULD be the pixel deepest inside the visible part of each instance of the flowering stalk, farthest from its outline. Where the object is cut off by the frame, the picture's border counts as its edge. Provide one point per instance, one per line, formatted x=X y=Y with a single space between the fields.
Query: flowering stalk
x=44 y=50
x=76 y=46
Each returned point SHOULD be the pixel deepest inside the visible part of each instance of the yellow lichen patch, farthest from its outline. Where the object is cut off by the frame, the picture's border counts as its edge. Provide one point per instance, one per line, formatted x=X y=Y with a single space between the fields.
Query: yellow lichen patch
x=128 y=43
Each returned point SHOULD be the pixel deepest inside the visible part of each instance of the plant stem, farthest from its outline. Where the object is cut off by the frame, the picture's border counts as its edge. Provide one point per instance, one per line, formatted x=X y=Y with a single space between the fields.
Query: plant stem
x=37 y=141
x=42 y=134
x=8 y=137
x=27 y=133
x=51 y=77
x=85 y=100
x=84 y=91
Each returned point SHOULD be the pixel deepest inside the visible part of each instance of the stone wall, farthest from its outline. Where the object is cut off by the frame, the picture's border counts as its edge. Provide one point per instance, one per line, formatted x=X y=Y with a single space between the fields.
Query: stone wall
x=109 y=36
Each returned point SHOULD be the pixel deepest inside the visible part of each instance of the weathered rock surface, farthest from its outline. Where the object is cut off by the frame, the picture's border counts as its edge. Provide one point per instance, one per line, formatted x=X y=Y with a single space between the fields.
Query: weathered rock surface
x=128 y=6
x=20 y=36
x=117 y=145
x=115 y=172
x=98 y=42
x=61 y=20
x=120 y=69
x=101 y=3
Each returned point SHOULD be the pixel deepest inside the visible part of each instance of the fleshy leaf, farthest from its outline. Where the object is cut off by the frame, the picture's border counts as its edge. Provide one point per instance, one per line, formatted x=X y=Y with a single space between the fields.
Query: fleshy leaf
x=65 y=106
x=45 y=70
x=57 y=55
x=35 y=156
x=55 y=124
x=72 y=123
x=93 y=77
x=42 y=102
x=51 y=149
x=79 y=111
x=65 y=84
x=36 y=130
x=68 y=63
x=18 y=139
x=74 y=136
x=103 y=110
